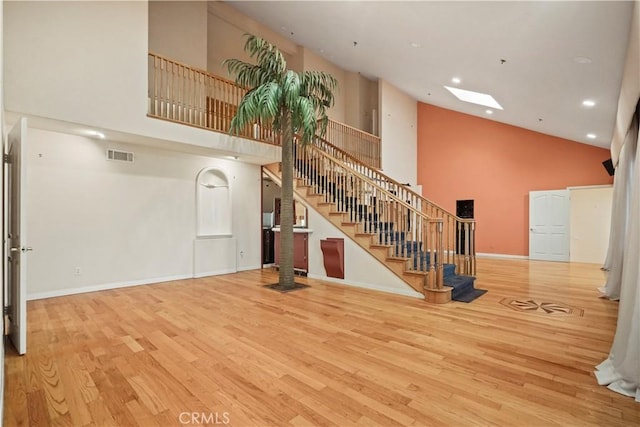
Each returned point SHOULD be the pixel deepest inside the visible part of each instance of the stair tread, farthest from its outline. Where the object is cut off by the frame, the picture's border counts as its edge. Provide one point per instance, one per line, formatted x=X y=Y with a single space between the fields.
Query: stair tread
x=398 y=259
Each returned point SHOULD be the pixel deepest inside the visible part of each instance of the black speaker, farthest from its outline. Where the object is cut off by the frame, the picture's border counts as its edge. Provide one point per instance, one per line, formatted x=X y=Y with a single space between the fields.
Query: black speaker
x=464 y=208
x=608 y=165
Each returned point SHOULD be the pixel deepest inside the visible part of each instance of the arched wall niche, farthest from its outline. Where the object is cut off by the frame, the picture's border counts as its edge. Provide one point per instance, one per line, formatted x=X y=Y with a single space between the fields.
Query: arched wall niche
x=213 y=199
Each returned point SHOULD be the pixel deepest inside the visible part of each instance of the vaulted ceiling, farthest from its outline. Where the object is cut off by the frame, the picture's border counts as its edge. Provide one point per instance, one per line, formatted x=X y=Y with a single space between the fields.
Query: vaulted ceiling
x=539 y=60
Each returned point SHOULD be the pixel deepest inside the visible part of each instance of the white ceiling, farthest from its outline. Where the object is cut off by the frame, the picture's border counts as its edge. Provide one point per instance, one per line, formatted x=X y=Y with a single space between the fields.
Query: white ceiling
x=540 y=42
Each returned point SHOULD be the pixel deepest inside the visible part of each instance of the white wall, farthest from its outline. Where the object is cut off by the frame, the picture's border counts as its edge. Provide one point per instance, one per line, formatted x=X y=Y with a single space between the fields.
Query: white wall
x=178 y=30
x=313 y=62
x=270 y=190
x=361 y=268
x=86 y=63
x=590 y=223
x=226 y=28
x=361 y=96
x=123 y=223
x=398 y=132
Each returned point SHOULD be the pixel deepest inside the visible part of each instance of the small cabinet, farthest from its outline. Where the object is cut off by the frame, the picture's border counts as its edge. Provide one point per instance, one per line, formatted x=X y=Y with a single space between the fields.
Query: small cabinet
x=300 y=249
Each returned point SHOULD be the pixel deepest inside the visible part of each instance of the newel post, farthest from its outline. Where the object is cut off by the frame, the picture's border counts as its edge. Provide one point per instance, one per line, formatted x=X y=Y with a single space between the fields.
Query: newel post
x=435 y=291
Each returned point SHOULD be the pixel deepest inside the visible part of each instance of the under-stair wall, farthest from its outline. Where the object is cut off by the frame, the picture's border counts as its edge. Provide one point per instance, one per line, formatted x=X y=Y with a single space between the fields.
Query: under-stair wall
x=361 y=268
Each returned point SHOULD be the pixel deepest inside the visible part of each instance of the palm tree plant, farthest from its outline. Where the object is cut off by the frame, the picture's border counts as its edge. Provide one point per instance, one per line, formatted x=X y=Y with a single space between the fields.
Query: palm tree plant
x=292 y=103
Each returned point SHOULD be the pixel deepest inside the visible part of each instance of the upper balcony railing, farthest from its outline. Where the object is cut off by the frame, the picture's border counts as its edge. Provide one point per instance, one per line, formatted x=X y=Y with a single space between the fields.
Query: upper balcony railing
x=364 y=146
x=184 y=94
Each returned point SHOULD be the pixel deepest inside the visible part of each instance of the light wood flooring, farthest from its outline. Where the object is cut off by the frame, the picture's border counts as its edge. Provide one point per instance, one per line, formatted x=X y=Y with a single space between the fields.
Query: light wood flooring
x=224 y=349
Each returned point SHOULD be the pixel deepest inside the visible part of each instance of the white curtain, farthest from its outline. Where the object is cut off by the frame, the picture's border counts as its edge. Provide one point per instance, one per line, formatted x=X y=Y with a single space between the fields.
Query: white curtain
x=621 y=371
x=622 y=185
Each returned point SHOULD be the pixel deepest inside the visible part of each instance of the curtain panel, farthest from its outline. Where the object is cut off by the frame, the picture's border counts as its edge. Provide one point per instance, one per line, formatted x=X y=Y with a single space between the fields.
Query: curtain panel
x=620 y=372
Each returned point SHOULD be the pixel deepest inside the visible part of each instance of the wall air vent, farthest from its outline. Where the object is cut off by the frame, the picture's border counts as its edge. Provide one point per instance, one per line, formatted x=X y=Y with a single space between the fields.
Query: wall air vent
x=121 y=156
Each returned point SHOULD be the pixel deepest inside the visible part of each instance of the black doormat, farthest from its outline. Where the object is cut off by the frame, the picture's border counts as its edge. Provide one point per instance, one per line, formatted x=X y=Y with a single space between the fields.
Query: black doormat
x=277 y=287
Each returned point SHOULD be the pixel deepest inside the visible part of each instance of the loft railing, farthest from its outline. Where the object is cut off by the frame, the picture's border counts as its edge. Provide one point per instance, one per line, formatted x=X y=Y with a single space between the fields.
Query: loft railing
x=458 y=233
x=362 y=145
x=389 y=219
x=184 y=94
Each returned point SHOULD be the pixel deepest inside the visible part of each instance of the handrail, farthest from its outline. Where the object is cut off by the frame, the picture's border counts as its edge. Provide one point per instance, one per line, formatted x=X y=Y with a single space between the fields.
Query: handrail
x=458 y=233
x=390 y=220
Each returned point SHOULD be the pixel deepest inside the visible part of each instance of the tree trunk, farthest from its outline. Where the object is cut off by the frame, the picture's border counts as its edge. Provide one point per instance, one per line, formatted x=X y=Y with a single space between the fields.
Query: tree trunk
x=286 y=278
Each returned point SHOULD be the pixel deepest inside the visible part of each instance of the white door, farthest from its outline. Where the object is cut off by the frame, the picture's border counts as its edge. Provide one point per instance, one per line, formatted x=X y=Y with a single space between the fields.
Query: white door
x=17 y=236
x=549 y=215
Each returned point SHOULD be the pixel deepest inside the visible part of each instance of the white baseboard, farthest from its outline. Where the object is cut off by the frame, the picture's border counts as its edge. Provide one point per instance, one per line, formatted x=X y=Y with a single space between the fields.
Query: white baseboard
x=251 y=267
x=215 y=273
x=403 y=292
x=505 y=256
x=104 y=287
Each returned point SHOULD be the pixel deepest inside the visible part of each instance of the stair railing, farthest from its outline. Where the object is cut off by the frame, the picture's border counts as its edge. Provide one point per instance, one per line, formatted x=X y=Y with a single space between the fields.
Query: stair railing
x=180 y=93
x=389 y=220
x=458 y=233
x=184 y=94
x=360 y=144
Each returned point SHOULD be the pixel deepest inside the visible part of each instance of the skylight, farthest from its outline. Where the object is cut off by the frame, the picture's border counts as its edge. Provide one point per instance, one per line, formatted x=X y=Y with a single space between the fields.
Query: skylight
x=474 y=97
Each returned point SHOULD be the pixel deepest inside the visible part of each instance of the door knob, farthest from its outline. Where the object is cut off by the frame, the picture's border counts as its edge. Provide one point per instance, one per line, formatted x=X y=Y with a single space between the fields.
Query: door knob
x=27 y=249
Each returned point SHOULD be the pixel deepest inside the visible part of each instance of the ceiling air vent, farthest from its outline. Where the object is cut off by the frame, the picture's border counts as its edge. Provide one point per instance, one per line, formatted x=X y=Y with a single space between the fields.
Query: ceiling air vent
x=121 y=156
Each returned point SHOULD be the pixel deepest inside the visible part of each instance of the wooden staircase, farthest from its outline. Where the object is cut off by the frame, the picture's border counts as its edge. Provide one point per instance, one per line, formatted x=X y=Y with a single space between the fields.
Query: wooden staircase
x=377 y=220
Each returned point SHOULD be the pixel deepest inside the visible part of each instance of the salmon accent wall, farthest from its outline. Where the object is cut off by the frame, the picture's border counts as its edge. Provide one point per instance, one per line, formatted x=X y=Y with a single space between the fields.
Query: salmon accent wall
x=466 y=157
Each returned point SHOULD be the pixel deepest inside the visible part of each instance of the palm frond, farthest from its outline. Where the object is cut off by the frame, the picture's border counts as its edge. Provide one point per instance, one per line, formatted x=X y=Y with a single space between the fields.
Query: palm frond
x=246 y=74
x=260 y=104
x=267 y=55
x=320 y=84
x=291 y=86
x=276 y=90
x=304 y=119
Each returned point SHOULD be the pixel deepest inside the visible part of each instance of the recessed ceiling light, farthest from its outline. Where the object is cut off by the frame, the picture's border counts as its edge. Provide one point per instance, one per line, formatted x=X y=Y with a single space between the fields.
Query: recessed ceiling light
x=96 y=134
x=456 y=80
x=416 y=45
x=592 y=136
x=474 y=97
x=588 y=103
x=582 y=60
x=489 y=112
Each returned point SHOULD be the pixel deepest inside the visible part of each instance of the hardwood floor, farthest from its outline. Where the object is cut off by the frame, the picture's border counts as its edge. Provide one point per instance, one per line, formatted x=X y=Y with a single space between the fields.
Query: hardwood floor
x=224 y=350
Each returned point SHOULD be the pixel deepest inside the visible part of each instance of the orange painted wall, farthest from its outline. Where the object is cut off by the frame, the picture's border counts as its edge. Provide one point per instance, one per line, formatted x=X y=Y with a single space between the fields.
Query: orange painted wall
x=466 y=157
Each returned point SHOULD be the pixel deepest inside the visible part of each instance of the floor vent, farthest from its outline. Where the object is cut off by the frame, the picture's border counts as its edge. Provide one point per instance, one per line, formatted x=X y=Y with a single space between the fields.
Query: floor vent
x=121 y=156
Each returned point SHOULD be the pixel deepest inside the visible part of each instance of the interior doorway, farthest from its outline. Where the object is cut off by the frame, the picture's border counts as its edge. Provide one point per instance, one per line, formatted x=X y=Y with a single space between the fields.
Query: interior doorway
x=549 y=217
